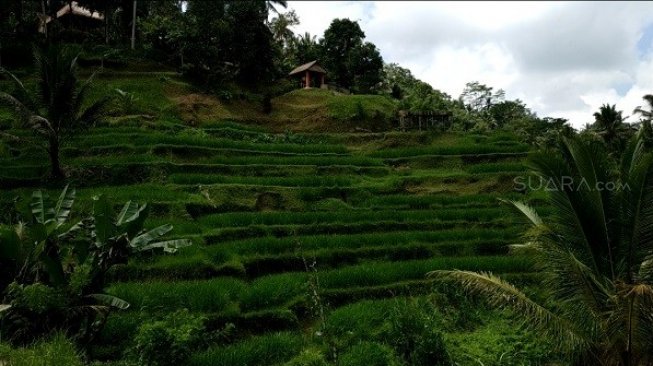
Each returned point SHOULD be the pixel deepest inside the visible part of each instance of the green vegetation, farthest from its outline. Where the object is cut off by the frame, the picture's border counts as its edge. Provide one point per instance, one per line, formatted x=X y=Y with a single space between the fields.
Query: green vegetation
x=593 y=252
x=57 y=351
x=314 y=215
x=375 y=212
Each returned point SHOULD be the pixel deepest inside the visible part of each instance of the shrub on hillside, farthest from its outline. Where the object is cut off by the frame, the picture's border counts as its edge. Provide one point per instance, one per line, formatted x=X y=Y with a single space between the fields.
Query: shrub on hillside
x=369 y=354
x=169 y=341
x=414 y=334
x=57 y=351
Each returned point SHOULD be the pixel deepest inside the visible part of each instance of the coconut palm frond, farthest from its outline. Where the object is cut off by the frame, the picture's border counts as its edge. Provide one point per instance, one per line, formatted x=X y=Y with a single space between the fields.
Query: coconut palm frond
x=20 y=109
x=528 y=211
x=502 y=294
x=637 y=201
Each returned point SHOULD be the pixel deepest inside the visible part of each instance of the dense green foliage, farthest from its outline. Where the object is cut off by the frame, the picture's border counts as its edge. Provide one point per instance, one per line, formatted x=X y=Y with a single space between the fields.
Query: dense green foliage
x=594 y=253
x=375 y=211
x=315 y=214
x=54 y=271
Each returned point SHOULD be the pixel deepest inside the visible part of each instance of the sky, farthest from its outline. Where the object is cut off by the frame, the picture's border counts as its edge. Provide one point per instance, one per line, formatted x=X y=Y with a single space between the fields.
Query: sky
x=563 y=59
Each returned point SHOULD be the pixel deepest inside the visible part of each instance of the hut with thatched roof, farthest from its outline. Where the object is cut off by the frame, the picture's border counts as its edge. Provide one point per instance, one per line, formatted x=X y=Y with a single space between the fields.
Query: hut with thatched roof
x=310 y=75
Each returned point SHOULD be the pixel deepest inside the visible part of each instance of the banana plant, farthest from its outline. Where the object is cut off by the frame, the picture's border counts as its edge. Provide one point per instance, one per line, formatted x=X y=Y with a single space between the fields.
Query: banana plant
x=51 y=250
x=116 y=237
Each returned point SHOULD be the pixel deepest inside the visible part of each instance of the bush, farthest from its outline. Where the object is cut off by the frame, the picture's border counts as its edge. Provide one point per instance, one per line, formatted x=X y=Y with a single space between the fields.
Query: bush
x=413 y=332
x=308 y=358
x=58 y=351
x=369 y=354
x=168 y=341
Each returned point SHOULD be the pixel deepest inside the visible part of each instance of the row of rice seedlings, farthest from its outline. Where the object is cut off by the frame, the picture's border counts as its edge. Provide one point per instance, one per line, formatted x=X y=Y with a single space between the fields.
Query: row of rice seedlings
x=214 y=295
x=439 y=200
x=276 y=290
x=272 y=245
x=296 y=181
x=378 y=273
x=142 y=193
x=150 y=138
x=324 y=160
x=269 y=349
x=496 y=168
x=206 y=265
x=449 y=150
x=189 y=151
x=275 y=170
x=448 y=161
x=218 y=294
x=254 y=231
x=287 y=218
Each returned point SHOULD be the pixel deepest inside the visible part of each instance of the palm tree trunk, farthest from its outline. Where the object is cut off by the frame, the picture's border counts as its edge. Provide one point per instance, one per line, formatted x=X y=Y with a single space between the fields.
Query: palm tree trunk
x=106 y=23
x=134 y=26
x=55 y=165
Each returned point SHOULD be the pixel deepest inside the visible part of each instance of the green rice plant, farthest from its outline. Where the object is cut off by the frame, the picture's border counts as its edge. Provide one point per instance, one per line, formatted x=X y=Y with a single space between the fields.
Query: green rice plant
x=183 y=141
x=254 y=231
x=212 y=295
x=286 y=218
x=273 y=291
x=306 y=181
x=369 y=354
x=274 y=245
x=378 y=273
x=354 y=160
x=449 y=150
x=360 y=320
x=56 y=351
x=496 y=167
x=269 y=349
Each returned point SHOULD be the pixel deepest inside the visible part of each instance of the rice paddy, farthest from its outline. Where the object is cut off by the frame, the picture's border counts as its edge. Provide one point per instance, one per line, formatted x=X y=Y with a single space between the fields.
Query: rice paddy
x=269 y=214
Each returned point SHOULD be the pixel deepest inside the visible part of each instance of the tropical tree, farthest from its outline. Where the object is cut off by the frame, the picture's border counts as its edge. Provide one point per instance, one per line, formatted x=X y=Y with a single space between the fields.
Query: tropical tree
x=271 y=5
x=479 y=97
x=595 y=255
x=611 y=127
x=305 y=49
x=340 y=40
x=59 y=108
x=646 y=114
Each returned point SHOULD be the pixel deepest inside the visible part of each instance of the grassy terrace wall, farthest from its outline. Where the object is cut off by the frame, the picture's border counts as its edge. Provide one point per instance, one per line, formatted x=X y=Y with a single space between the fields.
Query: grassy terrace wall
x=374 y=211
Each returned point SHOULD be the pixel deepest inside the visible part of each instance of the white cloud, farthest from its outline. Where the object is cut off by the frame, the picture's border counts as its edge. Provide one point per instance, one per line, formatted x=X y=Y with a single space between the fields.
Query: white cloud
x=564 y=59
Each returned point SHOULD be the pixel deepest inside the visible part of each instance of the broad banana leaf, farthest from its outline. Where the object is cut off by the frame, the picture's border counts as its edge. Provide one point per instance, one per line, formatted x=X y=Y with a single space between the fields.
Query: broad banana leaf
x=64 y=205
x=38 y=206
x=168 y=246
x=150 y=236
x=109 y=300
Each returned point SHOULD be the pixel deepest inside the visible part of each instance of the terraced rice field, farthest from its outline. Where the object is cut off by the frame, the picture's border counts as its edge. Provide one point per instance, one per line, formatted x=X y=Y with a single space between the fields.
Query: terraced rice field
x=373 y=212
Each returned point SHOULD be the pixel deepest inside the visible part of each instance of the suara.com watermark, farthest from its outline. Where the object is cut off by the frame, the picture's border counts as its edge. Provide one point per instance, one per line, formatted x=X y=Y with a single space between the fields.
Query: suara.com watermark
x=567 y=183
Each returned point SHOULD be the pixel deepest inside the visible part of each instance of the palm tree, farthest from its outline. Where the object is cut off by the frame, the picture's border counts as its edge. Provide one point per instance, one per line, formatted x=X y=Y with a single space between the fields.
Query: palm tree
x=270 y=5
x=646 y=114
x=609 y=122
x=59 y=108
x=595 y=255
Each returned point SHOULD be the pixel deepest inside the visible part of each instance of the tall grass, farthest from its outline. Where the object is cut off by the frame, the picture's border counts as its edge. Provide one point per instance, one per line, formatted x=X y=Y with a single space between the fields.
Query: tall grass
x=270 y=349
x=204 y=296
x=272 y=245
x=286 y=218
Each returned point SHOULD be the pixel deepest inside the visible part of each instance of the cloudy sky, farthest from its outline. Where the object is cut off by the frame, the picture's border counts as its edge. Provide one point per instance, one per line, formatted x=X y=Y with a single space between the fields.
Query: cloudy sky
x=564 y=59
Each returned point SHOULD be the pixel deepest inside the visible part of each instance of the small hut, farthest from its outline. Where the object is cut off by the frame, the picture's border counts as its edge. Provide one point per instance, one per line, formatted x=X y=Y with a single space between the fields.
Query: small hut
x=72 y=14
x=310 y=75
